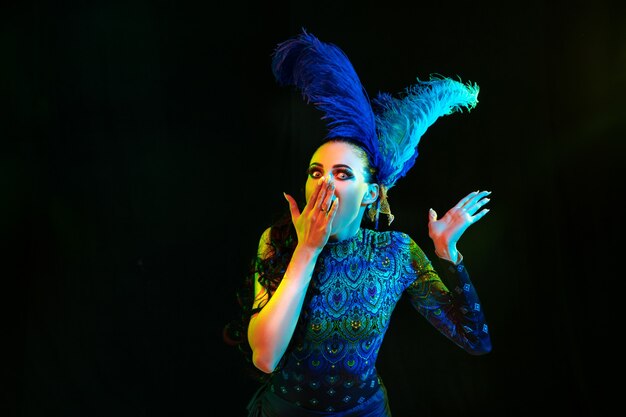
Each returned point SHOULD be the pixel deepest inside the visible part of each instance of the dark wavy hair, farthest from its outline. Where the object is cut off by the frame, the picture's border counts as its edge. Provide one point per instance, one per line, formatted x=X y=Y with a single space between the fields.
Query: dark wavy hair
x=271 y=269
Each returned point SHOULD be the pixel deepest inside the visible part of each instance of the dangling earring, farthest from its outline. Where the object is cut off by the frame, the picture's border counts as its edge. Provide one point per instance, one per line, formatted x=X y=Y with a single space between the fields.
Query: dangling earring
x=381 y=206
x=384 y=205
x=371 y=212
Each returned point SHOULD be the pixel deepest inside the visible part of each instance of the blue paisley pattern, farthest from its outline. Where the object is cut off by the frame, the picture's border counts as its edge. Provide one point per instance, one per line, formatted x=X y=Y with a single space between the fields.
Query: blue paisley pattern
x=355 y=287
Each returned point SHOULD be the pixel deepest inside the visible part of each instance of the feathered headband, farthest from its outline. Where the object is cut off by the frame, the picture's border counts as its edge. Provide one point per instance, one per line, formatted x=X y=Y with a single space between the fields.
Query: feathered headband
x=388 y=128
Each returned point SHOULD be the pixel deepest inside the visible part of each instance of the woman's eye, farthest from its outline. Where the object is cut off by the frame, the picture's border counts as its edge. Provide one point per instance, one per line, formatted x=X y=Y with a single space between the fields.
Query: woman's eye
x=315 y=173
x=343 y=175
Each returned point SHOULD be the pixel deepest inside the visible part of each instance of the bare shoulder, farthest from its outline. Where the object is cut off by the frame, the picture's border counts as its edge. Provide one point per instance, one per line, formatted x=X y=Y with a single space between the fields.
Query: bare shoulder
x=265 y=246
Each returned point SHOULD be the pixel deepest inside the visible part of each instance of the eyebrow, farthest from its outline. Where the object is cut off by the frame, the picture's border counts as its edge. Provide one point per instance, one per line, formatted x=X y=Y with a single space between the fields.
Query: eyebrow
x=334 y=166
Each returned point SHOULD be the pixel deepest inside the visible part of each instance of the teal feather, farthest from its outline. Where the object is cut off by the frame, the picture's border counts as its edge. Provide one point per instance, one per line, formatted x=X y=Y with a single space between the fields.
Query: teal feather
x=402 y=121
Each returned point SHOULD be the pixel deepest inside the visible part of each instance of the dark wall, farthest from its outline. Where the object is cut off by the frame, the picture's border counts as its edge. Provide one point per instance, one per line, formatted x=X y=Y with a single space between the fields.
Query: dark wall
x=145 y=147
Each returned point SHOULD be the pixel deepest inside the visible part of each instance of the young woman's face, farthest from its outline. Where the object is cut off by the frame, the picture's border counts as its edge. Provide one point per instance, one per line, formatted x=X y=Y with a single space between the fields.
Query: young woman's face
x=344 y=163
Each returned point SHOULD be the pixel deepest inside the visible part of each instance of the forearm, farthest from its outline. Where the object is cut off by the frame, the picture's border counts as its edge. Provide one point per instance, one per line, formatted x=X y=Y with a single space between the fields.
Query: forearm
x=270 y=330
x=464 y=318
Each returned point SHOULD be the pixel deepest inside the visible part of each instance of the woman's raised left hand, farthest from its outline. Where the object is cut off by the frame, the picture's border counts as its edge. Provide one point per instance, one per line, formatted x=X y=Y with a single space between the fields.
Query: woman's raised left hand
x=447 y=231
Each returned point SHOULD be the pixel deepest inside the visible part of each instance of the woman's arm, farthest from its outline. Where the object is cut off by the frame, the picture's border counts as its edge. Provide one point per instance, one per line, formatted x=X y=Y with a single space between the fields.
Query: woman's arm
x=458 y=314
x=270 y=330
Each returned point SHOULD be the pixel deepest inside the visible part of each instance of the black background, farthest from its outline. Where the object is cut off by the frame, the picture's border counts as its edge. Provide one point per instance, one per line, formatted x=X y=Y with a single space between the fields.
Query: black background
x=146 y=146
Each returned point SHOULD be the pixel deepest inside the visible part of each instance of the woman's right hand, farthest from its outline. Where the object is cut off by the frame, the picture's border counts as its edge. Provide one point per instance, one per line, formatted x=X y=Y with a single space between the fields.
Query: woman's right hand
x=314 y=225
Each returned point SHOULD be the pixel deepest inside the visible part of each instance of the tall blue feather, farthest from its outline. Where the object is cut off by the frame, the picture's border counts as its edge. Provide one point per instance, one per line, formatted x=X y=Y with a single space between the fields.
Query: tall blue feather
x=389 y=128
x=326 y=78
x=401 y=122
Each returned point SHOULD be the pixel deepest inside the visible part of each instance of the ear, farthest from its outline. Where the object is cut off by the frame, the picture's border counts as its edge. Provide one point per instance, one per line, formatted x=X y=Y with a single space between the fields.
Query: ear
x=371 y=195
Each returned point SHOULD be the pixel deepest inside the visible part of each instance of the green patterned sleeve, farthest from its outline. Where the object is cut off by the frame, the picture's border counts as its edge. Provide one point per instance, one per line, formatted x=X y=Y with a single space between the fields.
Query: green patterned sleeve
x=456 y=313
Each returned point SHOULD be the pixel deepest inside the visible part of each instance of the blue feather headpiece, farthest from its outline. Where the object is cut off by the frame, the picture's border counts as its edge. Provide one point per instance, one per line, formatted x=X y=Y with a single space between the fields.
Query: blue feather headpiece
x=388 y=128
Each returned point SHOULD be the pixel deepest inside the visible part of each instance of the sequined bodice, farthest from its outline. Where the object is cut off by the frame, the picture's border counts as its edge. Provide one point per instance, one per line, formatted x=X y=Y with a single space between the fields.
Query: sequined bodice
x=355 y=287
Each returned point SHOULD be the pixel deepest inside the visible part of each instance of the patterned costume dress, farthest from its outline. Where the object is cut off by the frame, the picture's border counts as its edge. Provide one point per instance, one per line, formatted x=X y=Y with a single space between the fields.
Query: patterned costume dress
x=330 y=365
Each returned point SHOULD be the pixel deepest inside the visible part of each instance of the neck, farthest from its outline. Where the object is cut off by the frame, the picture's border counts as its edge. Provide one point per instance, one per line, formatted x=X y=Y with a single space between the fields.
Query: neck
x=350 y=230
x=344 y=234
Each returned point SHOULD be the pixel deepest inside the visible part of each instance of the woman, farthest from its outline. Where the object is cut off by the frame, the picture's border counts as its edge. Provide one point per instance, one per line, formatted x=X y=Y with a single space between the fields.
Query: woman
x=324 y=285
